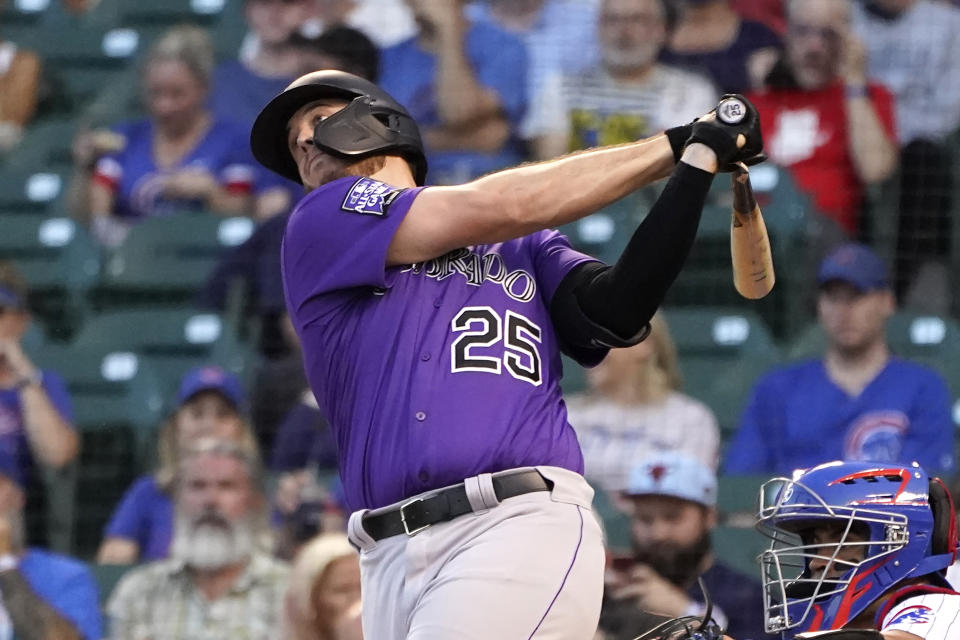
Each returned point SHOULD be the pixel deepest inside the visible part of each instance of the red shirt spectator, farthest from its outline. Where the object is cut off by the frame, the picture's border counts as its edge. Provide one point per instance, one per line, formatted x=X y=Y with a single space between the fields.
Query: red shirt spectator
x=806 y=131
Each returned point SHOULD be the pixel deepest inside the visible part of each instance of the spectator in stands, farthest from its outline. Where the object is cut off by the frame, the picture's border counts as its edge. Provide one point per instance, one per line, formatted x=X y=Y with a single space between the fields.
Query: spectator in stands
x=19 y=82
x=337 y=47
x=821 y=118
x=465 y=84
x=42 y=594
x=629 y=95
x=181 y=158
x=36 y=416
x=633 y=393
x=671 y=502
x=858 y=402
x=913 y=48
x=769 y=12
x=712 y=38
x=560 y=35
x=303 y=451
x=385 y=22
x=211 y=403
x=217 y=582
x=324 y=585
x=241 y=86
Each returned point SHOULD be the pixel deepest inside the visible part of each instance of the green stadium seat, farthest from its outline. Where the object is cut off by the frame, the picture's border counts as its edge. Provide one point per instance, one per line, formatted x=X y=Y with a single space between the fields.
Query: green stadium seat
x=707 y=277
x=166 y=259
x=59 y=261
x=29 y=191
x=46 y=144
x=739 y=548
x=117 y=406
x=737 y=498
x=82 y=60
x=107 y=577
x=170 y=340
x=169 y=13
x=616 y=524
x=19 y=12
x=721 y=352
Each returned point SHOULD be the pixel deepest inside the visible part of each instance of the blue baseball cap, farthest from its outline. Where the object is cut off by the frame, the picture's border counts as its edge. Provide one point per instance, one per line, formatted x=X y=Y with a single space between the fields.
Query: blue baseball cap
x=676 y=475
x=10 y=468
x=212 y=378
x=855 y=264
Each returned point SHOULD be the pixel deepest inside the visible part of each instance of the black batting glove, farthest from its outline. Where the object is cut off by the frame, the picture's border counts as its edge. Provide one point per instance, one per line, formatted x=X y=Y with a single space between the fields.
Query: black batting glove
x=735 y=116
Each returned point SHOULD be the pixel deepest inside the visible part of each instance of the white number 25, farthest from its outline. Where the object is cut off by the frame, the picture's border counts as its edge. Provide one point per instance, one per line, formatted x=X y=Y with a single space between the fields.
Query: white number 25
x=481 y=327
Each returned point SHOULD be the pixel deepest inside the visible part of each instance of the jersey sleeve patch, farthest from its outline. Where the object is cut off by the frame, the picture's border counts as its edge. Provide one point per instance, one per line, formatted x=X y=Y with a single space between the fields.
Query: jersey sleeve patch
x=370 y=197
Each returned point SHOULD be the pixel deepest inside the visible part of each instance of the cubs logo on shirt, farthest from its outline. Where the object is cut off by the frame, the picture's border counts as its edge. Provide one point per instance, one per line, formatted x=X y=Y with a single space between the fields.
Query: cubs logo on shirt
x=916 y=614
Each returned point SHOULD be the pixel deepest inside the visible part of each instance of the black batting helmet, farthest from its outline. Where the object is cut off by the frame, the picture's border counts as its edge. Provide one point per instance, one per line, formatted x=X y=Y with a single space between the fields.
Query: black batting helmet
x=372 y=123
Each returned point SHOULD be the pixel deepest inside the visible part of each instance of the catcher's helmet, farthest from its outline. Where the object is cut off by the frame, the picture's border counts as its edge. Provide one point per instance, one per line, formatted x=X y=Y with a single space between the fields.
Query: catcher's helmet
x=901 y=520
x=372 y=123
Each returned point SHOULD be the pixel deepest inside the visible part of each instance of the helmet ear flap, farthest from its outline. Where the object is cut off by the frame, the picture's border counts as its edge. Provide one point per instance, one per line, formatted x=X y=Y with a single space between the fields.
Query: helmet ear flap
x=944 y=538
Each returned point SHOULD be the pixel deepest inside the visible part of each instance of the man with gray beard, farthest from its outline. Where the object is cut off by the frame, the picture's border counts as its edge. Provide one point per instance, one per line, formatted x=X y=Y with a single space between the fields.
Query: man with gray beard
x=217 y=583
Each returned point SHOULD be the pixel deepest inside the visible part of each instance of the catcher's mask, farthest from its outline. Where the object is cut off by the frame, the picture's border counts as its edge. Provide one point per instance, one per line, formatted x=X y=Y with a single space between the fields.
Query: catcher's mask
x=892 y=523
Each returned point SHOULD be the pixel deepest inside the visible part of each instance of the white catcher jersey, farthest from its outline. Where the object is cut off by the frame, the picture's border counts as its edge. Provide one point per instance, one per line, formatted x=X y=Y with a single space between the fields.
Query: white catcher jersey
x=931 y=616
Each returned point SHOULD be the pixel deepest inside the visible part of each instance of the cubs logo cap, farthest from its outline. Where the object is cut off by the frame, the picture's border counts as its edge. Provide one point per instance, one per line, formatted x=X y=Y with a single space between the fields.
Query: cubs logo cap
x=857 y=265
x=676 y=475
x=212 y=378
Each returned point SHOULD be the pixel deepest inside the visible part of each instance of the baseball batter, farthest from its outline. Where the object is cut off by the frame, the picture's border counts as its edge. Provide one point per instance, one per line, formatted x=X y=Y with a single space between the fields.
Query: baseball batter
x=432 y=322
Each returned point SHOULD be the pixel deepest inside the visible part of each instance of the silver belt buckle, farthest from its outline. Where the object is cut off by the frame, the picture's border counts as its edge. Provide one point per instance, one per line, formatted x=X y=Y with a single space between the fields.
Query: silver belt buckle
x=403 y=518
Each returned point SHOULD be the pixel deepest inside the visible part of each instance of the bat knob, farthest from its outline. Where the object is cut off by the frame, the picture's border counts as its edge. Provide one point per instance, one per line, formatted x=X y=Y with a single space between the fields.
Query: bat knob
x=731 y=111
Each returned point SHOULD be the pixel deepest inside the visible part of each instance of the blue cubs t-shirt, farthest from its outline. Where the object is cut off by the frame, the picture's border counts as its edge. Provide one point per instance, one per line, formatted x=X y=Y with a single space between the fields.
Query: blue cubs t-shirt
x=798 y=418
x=137 y=182
x=433 y=372
x=144 y=516
x=68 y=586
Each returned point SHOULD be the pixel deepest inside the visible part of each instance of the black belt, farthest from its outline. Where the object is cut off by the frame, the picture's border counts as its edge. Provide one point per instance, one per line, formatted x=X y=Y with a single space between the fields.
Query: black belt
x=417 y=514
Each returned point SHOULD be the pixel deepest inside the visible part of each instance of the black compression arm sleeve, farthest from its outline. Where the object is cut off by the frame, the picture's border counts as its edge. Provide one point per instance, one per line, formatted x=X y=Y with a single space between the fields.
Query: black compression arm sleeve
x=595 y=301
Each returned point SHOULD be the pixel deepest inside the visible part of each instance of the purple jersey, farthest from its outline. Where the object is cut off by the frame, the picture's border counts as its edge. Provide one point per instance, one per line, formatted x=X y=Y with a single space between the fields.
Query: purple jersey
x=429 y=373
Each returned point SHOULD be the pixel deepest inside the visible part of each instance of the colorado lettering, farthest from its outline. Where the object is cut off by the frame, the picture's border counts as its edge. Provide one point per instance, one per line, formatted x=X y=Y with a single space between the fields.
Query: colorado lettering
x=477 y=269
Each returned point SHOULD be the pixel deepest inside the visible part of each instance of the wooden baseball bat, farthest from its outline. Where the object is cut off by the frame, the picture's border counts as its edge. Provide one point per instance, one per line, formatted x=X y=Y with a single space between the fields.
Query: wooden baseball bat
x=749 y=243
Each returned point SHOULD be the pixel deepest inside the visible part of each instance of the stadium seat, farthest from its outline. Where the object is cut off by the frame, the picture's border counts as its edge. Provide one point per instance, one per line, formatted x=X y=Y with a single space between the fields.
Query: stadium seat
x=117 y=406
x=616 y=524
x=59 y=261
x=166 y=259
x=46 y=146
x=82 y=60
x=169 y=13
x=707 y=277
x=737 y=498
x=739 y=548
x=170 y=340
x=721 y=351
x=107 y=577
x=29 y=191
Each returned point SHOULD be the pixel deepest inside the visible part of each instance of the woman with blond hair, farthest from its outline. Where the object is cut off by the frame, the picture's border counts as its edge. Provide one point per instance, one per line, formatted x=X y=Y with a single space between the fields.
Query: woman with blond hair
x=633 y=408
x=180 y=158
x=323 y=590
x=211 y=404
